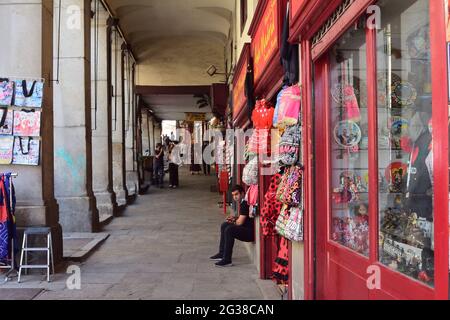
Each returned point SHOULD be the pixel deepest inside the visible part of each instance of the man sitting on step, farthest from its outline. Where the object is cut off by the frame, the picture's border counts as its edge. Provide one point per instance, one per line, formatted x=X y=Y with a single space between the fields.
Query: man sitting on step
x=241 y=227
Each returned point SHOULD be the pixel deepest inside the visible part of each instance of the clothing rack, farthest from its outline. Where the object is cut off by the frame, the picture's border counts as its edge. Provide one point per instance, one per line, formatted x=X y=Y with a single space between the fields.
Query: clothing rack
x=12 y=266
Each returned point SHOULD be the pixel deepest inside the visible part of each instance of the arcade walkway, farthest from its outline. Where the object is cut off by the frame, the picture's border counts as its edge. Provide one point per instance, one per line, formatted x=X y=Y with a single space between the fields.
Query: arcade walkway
x=159 y=249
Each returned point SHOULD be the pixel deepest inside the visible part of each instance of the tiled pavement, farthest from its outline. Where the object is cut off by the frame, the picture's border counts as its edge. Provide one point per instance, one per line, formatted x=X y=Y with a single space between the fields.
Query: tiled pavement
x=159 y=249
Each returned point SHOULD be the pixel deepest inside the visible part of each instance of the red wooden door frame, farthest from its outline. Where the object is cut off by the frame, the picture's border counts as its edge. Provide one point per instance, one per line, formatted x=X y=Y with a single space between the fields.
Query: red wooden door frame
x=394 y=285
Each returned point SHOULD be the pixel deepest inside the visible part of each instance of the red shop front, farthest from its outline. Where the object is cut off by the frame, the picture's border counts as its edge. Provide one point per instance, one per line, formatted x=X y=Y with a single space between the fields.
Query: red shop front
x=240 y=113
x=376 y=106
x=265 y=31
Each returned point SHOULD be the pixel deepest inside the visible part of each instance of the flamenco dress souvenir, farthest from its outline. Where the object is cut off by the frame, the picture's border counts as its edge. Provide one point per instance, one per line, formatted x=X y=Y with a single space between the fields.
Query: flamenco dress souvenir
x=351 y=106
x=395 y=174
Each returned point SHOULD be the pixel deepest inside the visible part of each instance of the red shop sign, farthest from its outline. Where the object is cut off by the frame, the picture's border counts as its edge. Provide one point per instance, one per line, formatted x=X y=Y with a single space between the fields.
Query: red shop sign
x=239 y=98
x=265 y=43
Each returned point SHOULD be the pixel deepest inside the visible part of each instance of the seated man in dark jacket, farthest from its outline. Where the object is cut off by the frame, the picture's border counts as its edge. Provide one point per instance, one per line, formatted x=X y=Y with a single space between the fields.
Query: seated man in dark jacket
x=241 y=227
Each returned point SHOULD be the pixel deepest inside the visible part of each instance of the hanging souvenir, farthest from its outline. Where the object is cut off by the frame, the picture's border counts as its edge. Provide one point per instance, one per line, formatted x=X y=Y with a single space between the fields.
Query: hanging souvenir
x=290 y=188
x=27 y=123
x=395 y=174
x=289 y=107
x=271 y=208
x=6 y=121
x=259 y=142
x=278 y=107
x=26 y=151
x=347 y=134
x=281 y=265
x=29 y=93
x=6 y=149
x=262 y=115
x=403 y=94
x=294 y=226
x=282 y=221
x=6 y=92
x=290 y=145
x=250 y=172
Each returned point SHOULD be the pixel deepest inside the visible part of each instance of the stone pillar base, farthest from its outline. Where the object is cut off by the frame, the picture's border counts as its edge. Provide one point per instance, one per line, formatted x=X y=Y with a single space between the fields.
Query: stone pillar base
x=106 y=204
x=78 y=214
x=121 y=198
x=132 y=183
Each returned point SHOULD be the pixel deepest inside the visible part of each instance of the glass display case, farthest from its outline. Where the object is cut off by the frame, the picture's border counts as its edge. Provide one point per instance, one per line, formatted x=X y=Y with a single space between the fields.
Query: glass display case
x=405 y=149
x=349 y=154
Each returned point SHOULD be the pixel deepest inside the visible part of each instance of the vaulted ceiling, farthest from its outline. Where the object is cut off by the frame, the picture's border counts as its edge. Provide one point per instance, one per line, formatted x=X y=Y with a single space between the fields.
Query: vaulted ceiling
x=147 y=22
x=175 y=41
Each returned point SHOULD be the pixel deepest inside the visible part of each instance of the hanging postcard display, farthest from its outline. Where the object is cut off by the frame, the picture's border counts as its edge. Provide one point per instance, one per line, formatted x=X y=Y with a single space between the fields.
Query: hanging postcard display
x=6 y=92
x=6 y=121
x=27 y=123
x=26 y=151
x=6 y=149
x=28 y=93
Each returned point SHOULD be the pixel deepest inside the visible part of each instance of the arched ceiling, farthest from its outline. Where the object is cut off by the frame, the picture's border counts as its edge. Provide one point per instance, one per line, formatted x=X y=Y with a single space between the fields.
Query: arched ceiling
x=146 y=22
x=175 y=41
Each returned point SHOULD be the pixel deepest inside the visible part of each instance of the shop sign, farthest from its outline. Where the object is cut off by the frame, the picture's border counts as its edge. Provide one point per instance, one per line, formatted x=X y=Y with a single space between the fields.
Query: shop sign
x=239 y=91
x=193 y=117
x=265 y=42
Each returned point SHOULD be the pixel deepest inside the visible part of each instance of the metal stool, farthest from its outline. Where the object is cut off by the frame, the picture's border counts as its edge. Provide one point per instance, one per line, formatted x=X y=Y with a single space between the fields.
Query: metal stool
x=25 y=249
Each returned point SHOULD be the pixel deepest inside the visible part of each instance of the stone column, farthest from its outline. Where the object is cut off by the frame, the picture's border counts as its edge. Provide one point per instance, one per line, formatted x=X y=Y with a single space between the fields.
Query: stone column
x=151 y=134
x=145 y=141
x=27 y=31
x=145 y=132
x=132 y=180
x=73 y=134
x=118 y=121
x=102 y=164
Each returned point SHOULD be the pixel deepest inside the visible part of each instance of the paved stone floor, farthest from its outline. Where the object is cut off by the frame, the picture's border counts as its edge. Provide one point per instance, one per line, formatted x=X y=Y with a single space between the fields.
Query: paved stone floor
x=159 y=249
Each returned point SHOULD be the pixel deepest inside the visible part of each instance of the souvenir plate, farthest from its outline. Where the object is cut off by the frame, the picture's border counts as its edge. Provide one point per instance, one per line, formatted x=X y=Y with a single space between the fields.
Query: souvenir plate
x=347 y=134
x=403 y=93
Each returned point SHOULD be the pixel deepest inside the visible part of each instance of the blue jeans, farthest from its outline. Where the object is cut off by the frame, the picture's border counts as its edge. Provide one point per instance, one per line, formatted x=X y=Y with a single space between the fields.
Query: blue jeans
x=159 y=174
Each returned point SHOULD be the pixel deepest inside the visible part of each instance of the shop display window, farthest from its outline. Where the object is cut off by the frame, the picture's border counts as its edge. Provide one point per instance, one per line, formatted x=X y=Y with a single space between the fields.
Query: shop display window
x=349 y=148
x=405 y=135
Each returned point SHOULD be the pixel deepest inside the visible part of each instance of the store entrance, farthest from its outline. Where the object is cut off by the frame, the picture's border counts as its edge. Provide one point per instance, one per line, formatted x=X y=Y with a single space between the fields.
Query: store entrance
x=374 y=159
x=342 y=257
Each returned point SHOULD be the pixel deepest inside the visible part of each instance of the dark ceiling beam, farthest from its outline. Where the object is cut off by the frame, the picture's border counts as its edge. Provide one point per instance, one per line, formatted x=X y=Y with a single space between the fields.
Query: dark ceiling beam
x=172 y=90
